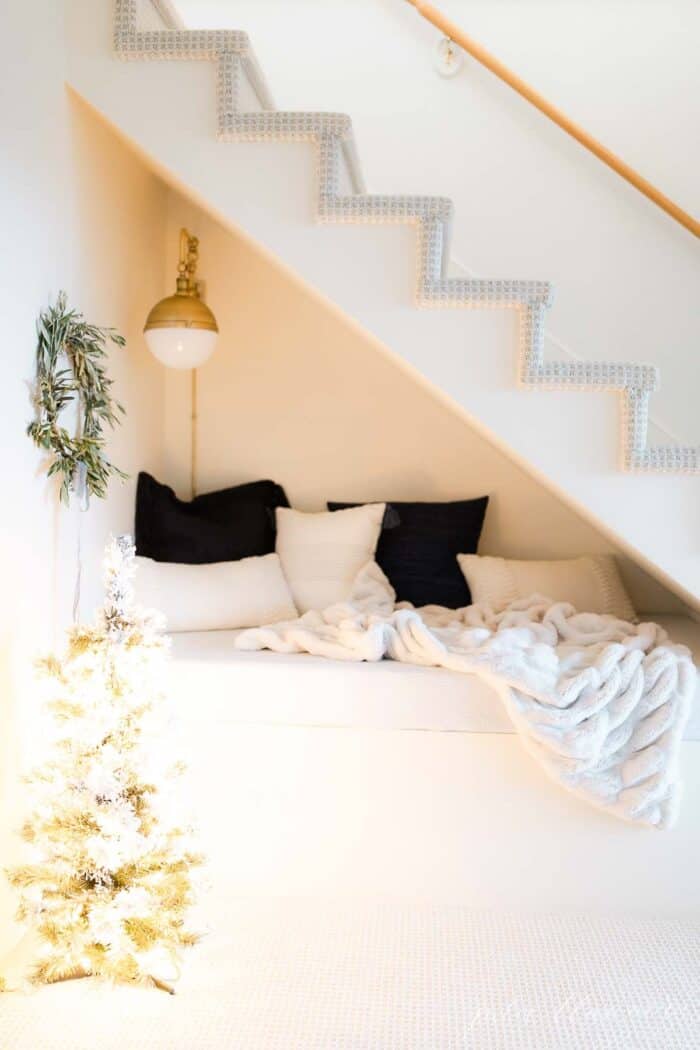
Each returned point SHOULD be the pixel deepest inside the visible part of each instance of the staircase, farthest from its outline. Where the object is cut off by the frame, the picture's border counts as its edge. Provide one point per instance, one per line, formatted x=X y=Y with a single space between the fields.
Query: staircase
x=265 y=184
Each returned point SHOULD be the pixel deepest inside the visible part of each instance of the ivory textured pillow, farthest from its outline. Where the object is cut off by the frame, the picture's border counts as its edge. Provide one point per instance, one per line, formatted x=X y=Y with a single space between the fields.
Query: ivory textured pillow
x=591 y=583
x=322 y=553
x=214 y=597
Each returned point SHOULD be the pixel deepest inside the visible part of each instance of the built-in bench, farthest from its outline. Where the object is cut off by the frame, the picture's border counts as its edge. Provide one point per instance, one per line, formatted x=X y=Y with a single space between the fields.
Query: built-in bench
x=298 y=689
x=314 y=777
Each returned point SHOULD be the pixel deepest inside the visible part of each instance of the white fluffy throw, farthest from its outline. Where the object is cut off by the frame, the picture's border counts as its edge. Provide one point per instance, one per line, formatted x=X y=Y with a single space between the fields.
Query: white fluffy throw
x=600 y=703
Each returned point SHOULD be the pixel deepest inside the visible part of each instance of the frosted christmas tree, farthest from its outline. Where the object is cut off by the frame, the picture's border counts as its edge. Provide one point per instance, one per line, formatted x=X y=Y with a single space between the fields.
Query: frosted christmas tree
x=109 y=882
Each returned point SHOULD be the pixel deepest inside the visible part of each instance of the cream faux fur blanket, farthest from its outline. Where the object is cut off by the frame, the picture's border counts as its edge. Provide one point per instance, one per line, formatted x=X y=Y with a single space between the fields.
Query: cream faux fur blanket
x=600 y=703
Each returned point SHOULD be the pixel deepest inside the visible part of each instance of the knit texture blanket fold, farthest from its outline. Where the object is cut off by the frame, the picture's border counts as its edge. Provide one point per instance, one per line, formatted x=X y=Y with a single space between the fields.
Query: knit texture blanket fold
x=600 y=703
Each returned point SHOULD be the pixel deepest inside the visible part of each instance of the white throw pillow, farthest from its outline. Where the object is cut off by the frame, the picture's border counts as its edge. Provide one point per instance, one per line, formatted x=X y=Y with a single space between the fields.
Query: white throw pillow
x=215 y=597
x=591 y=583
x=322 y=553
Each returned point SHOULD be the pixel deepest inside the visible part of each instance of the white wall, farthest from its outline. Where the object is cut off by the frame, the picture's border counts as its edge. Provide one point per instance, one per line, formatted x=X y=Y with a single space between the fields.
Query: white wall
x=34 y=228
x=120 y=226
x=530 y=202
x=79 y=213
x=297 y=394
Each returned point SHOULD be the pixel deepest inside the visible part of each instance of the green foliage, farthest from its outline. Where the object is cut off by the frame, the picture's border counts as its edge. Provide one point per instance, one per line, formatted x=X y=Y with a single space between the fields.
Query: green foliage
x=71 y=362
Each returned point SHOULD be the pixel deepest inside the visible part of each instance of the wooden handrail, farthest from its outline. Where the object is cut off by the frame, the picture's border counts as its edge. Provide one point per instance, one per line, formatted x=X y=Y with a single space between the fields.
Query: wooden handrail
x=453 y=31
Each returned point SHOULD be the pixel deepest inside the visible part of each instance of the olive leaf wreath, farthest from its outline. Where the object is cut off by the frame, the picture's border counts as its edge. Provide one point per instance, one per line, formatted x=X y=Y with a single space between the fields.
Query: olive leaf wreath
x=71 y=364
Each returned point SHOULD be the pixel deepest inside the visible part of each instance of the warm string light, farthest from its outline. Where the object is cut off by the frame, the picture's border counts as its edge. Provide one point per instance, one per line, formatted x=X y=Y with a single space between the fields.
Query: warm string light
x=333 y=134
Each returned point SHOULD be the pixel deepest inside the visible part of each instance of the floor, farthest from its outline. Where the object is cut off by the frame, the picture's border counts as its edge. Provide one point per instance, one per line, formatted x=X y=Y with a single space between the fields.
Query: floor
x=303 y=975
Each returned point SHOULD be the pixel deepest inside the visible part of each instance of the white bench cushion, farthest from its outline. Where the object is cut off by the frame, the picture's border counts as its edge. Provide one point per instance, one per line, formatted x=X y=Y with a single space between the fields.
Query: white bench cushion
x=211 y=680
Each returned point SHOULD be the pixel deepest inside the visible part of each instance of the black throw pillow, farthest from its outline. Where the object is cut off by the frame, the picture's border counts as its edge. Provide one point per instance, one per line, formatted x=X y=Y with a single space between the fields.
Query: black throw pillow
x=226 y=525
x=419 y=555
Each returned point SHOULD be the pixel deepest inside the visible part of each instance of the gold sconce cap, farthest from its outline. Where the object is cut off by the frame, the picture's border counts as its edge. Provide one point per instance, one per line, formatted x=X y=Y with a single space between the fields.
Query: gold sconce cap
x=182 y=310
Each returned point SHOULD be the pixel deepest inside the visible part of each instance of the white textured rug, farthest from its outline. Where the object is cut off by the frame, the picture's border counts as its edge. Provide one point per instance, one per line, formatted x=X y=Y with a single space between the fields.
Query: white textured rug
x=303 y=975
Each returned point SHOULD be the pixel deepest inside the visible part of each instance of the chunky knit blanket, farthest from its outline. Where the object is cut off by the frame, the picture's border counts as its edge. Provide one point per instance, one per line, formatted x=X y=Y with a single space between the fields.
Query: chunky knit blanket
x=600 y=703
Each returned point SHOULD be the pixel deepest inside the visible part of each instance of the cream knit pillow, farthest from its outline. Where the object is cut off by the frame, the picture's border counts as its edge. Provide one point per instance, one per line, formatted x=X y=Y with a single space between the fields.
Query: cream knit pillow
x=591 y=583
x=321 y=554
x=217 y=596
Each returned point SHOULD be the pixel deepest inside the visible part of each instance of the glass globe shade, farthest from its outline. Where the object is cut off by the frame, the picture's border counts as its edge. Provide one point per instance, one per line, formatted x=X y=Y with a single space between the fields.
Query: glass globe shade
x=181 y=347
